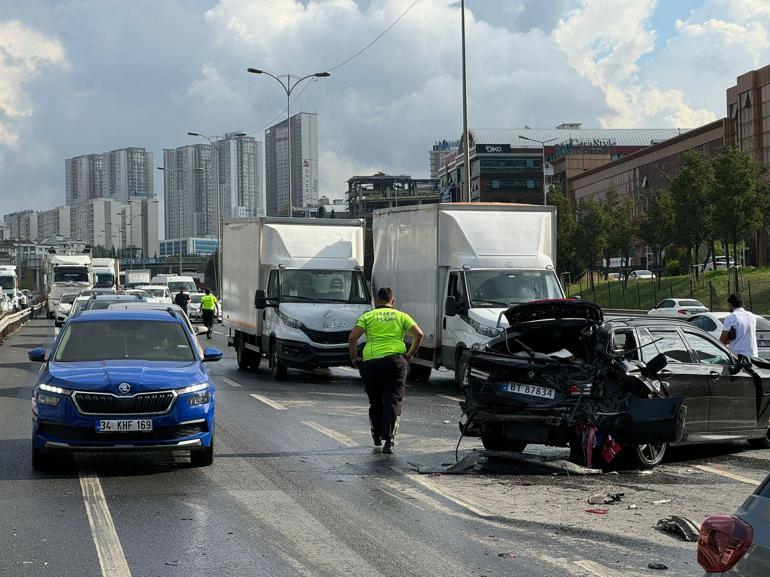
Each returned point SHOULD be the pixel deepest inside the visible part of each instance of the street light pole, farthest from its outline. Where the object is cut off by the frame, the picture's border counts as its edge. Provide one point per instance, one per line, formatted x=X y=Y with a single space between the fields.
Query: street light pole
x=288 y=87
x=542 y=144
x=179 y=216
x=466 y=138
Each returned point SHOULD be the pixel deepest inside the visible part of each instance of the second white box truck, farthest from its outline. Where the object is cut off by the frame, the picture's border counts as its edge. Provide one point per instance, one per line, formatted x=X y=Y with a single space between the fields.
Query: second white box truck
x=456 y=267
x=292 y=290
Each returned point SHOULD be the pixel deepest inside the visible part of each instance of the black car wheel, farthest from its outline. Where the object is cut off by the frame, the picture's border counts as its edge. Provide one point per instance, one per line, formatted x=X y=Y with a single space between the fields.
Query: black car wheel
x=761 y=443
x=501 y=443
x=645 y=456
x=278 y=368
x=461 y=371
x=203 y=457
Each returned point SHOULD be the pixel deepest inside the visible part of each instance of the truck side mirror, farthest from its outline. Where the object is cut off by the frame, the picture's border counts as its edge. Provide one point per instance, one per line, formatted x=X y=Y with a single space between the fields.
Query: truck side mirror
x=260 y=299
x=451 y=306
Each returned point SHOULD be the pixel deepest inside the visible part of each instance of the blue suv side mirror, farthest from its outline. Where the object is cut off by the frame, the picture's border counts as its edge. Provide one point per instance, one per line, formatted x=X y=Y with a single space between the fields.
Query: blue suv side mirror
x=37 y=355
x=210 y=354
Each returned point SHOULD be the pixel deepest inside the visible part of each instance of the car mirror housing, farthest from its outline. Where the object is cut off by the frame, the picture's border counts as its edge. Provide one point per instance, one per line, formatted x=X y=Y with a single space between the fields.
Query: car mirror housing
x=210 y=355
x=37 y=355
x=656 y=364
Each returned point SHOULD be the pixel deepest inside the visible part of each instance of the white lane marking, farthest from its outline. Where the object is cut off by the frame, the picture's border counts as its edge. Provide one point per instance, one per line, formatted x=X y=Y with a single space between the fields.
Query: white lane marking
x=263 y=399
x=448 y=495
x=108 y=548
x=407 y=501
x=729 y=475
x=595 y=568
x=230 y=382
x=361 y=394
x=331 y=433
x=451 y=398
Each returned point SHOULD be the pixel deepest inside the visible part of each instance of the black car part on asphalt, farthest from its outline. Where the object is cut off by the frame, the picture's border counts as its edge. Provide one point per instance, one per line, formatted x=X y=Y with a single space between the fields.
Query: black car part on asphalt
x=549 y=378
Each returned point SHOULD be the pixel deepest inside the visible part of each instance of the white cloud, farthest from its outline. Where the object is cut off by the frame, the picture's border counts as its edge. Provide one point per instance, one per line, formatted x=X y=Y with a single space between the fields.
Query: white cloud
x=23 y=52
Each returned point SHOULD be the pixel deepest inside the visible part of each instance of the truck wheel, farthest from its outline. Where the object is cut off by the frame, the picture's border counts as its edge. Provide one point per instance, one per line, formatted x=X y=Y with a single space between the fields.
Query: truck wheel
x=644 y=456
x=498 y=442
x=241 y=354
x=419 y=373
x=278 y=368
x=461 y=370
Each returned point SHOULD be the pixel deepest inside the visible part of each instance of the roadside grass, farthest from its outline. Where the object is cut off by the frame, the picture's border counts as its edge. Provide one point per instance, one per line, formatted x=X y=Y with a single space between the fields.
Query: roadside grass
x=711 y=288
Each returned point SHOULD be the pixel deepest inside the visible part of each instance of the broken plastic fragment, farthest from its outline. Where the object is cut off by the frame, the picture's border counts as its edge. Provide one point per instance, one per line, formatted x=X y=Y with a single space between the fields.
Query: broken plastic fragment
x=657 y=566
x=661 y=501
x=597 y=511
x=682 y=526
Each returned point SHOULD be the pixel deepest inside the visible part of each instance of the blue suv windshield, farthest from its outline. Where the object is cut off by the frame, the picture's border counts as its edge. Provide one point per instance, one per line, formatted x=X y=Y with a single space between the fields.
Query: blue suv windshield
x=138 y=340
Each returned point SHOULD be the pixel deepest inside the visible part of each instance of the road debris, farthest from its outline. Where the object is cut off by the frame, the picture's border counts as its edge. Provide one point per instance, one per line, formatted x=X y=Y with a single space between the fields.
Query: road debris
x=676 y=525
x=661 y=501
x=597 y=511
x=464 y=465
x=509 y=555
x=607 y=499
x=544 y=462
x=657 y=566
x=632 y=506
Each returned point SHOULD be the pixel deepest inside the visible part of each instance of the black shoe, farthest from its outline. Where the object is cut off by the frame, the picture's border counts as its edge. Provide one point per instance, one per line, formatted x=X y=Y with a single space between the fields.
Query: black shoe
x=377 y=440
x=388 y=448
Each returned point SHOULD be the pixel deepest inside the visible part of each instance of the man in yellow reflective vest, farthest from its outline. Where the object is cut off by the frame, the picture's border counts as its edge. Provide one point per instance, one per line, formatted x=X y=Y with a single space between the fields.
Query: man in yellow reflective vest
x=209 y=305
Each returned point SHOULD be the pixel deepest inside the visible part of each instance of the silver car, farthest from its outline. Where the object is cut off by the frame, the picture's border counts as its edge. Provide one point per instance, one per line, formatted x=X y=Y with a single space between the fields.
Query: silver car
x=739 y=544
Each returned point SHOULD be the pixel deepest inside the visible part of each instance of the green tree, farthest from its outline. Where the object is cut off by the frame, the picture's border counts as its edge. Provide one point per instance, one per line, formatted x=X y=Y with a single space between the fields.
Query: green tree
x=623 y=229
x=610 y=209
x=591 y=234
x=566 y=260
x=656 y=225
x=741 y=198
x=692 y=190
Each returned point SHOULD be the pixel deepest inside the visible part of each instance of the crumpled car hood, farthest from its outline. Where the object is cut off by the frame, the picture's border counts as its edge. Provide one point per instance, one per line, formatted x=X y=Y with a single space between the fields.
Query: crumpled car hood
x=556 y=309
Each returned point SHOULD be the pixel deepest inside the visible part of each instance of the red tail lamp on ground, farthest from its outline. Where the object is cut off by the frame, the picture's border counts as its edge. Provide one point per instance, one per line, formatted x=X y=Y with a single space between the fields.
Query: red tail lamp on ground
x=723 y=540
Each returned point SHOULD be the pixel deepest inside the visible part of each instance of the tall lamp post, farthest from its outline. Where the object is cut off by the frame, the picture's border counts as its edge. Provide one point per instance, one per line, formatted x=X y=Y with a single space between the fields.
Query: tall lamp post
x=213 y=140
x=466 y=138
x=542 y=144
x=291 y=83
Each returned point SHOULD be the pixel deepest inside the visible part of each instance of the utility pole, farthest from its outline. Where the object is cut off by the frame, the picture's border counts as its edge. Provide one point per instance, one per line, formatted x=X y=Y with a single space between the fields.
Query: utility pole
x=466 y=138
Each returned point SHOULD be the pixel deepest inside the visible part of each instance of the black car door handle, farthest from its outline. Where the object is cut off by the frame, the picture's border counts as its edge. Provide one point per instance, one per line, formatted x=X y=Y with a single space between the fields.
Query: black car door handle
x=714 y=375
x=665 y=373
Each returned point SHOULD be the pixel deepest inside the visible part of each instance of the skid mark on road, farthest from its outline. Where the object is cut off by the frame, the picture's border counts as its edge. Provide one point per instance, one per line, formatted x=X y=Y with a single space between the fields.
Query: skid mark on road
x=331 y=433
x=230 y=382
x=108 y=548
x=728 y=475
x=451 y=398
x=270 y=403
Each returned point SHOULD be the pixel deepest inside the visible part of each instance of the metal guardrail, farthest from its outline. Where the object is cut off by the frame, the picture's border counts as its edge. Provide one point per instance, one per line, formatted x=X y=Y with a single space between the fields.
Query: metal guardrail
x=11 y=323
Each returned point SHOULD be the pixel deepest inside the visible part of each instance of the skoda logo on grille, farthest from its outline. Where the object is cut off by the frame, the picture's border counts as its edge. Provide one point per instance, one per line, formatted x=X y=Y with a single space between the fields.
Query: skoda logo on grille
x=124 y=388
x=531 y=375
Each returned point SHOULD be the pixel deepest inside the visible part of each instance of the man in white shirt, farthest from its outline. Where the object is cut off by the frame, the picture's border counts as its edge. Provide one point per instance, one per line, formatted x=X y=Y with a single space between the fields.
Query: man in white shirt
x=743 y=325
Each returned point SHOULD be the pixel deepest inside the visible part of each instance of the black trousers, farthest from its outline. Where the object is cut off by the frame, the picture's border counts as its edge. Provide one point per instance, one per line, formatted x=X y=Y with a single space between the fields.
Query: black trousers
x=208 y=318
x=385 y=385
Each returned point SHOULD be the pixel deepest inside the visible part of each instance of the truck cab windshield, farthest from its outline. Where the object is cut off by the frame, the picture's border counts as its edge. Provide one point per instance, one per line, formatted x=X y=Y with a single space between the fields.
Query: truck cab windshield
x=502 y=288
x=104 y=280
x=70 y=274
x=175 y=285
x=324 y=286
x=7 y=282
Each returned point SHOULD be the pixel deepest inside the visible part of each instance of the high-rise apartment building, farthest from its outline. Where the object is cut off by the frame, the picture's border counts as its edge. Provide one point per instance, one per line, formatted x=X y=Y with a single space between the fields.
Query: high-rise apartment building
x=97 y=222
x=303 y=165
x=139 y=226
x=21 y=225
x=119 y=175
x=54 y=222
x=440 y=148
x=195 y=175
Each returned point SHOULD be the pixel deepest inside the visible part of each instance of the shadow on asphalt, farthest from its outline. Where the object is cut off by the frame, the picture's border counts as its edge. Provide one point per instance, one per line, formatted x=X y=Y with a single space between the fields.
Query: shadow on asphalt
x=28 y=366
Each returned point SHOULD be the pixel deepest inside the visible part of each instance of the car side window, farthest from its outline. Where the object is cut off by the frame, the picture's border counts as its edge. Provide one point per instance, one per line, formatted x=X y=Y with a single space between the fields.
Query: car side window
x=272 y=285
x=623 y=341
x=456 y=287
x=649 y=350
x=671 y=345
x=706 y=352
x=667 y=304
x=704 y=323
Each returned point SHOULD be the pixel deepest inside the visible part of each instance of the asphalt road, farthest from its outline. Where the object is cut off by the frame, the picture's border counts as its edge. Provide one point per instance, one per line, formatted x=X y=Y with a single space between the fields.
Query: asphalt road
x=297 y=489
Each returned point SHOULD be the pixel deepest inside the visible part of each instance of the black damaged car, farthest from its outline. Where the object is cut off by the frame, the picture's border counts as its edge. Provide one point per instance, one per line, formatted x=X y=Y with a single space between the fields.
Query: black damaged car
x=561 y=375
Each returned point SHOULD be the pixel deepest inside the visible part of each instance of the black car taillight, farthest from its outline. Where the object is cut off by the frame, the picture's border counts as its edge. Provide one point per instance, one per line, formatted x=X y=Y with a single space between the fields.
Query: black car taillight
x=723 y=540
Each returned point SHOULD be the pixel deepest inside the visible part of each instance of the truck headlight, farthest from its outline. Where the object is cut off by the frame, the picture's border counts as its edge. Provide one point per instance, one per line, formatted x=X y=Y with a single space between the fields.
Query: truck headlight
x=483 y=329
x=290 y=322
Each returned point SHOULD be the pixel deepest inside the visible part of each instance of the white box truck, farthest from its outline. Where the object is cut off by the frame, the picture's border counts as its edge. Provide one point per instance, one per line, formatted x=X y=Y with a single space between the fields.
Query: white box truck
x=9 y=283
x=136 y=276
x=106 y=274
x=456 y=267
x=65 y=273
x=292 y=290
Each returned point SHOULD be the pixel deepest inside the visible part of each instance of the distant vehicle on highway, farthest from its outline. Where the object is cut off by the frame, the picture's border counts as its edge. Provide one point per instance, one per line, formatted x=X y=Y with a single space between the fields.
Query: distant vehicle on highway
x=712 y=323
x=174 y=282
x=721 y=264
x=158 y=293
x=124 y=379
x=194 y=307
x=63 y=308
x=681 y=308
x=641 y=275
x=103 y=301
x=79 y=304
x=738 y=545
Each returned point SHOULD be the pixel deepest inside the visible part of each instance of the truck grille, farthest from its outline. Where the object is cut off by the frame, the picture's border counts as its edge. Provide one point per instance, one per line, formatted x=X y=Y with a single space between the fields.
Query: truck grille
x=107 y=404
x=327 y=338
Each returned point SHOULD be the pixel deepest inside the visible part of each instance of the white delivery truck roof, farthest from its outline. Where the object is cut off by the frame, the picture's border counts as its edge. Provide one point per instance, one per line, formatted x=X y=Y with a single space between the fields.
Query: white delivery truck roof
x=70 y=259
x=312 y=245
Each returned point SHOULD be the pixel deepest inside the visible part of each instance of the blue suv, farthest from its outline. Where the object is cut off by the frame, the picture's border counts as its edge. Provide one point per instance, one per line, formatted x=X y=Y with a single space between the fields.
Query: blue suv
x=124 y=379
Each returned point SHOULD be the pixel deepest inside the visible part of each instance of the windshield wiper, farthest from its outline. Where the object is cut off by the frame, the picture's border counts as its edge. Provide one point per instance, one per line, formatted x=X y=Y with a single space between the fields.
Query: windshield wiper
x=302 y=298
x=494 y=303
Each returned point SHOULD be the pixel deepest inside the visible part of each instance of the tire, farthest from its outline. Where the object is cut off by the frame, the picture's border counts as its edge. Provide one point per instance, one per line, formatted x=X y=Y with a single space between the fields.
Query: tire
x=644 y=456
x=203 y=457
x=761 y=443
x=498 y=442
x=419 y=373
x=278 y=369
x=241 y=354
x=461 y=370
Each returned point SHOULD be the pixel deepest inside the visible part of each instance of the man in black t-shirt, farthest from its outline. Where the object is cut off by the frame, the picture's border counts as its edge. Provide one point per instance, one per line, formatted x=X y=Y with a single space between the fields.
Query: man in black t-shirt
x=181 y=299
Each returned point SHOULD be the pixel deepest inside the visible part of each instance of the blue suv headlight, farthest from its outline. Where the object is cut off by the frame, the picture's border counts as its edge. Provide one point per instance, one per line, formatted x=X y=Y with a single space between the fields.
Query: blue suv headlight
x=41 y=396
x=201 y=394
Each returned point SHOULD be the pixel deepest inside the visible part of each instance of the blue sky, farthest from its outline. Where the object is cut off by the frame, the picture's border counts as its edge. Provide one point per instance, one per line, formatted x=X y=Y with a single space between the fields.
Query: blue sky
x=83 y=76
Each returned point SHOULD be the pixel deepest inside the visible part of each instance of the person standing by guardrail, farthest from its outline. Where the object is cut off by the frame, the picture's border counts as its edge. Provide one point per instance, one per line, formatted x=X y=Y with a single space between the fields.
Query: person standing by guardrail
x=739 y=331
